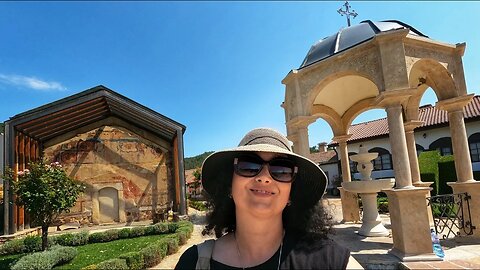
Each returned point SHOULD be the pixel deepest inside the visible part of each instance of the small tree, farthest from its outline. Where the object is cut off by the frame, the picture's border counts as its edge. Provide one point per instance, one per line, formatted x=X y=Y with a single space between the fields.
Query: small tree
x=45 y=191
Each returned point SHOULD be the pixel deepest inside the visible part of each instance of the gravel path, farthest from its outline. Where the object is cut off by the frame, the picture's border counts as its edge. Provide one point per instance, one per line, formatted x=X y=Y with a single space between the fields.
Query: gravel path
x=198 y=218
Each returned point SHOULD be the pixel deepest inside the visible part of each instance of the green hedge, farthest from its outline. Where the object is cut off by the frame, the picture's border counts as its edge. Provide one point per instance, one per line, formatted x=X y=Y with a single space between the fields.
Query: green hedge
x=152 y=254
x=446 y=173
x=117 y=264
x=429 y=165
x=56 y=255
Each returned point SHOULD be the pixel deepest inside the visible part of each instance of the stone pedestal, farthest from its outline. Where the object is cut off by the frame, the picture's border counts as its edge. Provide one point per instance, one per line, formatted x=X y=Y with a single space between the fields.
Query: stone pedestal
x=428 y=194
x=410 y=225
x=350 y=209
x=473 y=189
x=371 y=222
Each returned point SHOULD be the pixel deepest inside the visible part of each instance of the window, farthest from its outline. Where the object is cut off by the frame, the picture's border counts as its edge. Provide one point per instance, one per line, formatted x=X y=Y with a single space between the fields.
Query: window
x=420 y=149
x=384 y=159
x=353 y=164
x=474 y=145
x=443 y=145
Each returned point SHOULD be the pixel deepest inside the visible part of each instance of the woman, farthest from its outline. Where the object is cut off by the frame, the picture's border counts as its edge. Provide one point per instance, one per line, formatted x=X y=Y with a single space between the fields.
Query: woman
x=266 y=211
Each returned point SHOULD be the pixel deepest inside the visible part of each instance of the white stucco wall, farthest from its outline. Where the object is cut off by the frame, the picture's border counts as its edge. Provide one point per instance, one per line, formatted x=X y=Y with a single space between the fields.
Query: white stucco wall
x=430 y=136
x=332 y=170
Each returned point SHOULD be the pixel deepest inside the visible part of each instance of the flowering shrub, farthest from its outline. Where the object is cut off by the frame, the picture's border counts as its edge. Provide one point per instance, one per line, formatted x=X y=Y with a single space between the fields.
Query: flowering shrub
x=45 y=190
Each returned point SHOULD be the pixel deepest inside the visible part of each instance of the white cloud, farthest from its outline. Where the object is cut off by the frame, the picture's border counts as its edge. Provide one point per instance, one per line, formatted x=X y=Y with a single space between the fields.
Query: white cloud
x=31 y=82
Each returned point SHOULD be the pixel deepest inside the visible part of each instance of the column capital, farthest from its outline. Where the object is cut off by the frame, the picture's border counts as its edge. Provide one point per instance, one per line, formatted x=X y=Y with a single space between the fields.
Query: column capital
x=412 y=124
x=454 y=104
x=342 y=138
x=394 y=97
x=300 y=121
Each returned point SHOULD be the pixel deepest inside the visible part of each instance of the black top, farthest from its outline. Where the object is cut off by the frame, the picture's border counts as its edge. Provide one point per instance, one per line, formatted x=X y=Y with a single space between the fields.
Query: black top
x=298 y=253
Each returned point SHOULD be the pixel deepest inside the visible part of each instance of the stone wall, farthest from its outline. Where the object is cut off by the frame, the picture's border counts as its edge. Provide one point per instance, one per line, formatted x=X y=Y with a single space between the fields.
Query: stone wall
x=112 y=157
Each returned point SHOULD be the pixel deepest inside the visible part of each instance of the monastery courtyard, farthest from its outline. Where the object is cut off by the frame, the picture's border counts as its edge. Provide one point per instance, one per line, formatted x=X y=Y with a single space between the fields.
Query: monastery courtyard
x=369 y=252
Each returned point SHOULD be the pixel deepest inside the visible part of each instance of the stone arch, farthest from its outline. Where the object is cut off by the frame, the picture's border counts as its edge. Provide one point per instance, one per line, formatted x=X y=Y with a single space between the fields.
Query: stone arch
x=434 y=74
x=338 y=76
x=330 y=116
x=357 y=109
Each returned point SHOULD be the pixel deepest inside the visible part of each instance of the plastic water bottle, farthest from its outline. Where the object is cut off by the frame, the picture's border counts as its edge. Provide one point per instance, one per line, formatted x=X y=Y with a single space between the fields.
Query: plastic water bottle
x=437 y=248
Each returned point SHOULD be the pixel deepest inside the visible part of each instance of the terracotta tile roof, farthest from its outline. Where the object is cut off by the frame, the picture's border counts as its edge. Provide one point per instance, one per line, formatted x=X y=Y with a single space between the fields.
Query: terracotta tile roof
x=428 y=113
x=323 y=157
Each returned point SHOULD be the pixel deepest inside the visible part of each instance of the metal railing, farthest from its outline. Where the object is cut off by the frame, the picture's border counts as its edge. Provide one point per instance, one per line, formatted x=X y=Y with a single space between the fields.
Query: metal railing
x=451 y=214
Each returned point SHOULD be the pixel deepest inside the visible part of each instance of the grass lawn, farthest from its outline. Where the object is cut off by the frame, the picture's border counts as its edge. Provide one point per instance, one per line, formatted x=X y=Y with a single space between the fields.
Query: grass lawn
x=98 y=252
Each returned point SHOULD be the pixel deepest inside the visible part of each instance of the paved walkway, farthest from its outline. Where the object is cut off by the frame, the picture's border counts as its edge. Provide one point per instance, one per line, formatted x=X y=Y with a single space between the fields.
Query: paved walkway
x=370 y=252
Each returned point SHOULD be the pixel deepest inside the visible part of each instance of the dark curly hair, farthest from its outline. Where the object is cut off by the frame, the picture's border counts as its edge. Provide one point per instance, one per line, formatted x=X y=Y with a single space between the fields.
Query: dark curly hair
x=296 y=217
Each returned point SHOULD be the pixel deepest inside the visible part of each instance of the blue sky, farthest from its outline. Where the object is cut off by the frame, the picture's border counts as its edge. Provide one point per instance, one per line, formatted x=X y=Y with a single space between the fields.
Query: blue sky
x=215 y=67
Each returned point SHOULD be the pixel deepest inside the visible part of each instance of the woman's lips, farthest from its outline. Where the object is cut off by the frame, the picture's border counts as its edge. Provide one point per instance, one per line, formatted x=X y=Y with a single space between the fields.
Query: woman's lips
x=262 y=192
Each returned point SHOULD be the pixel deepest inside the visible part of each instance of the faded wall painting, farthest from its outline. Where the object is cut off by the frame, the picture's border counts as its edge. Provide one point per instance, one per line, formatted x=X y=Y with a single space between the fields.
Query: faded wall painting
x=128 y=177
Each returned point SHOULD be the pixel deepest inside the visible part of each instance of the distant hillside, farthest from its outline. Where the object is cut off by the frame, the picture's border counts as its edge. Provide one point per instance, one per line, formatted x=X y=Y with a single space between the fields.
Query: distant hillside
x=196 y=161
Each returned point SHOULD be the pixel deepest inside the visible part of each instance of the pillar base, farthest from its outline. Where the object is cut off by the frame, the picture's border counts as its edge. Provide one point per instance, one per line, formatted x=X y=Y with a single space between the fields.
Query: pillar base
x=429 y=207
x=350 y=209
x=410 y=224
x=473 y=189
x=404 y=257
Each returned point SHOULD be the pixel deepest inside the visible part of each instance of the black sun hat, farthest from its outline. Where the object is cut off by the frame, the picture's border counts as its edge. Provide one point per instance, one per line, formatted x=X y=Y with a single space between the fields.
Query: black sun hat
x=217 y=169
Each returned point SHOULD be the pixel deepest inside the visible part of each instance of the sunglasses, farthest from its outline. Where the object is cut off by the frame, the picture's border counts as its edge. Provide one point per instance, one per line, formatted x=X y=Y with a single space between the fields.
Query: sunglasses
x=280 y=169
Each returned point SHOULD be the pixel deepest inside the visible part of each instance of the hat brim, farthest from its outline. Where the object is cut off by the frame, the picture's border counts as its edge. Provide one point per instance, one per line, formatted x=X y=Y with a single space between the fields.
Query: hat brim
x=307 y=188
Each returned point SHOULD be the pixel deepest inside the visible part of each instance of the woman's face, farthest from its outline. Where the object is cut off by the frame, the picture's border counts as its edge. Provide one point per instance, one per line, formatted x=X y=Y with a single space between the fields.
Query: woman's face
x=261 y=194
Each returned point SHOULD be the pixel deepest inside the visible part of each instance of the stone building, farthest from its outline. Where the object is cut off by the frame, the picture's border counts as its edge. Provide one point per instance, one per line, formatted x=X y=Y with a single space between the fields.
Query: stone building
x=129 y=156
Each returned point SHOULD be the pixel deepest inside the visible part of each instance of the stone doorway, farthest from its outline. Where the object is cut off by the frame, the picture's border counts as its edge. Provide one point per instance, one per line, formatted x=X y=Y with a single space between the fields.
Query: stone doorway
x=108 y=204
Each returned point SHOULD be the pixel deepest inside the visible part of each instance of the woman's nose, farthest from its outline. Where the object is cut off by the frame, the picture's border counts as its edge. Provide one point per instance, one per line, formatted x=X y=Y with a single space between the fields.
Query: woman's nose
x=264 y=176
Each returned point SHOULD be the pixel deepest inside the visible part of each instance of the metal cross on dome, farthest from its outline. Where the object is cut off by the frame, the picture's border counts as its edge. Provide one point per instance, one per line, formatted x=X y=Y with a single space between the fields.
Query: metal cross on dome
x=347 y=12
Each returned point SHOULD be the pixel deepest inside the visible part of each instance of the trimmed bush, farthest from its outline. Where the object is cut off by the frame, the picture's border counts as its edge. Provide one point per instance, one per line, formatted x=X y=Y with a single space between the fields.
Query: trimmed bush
x=90 y=267
x=137 y=231
x=32 y=243
x=149 y=230
x=172 y=245
x=446 y=173
x=134 y=260
x=160 y=228
x=72 y=239
x=15 y=246
x=124 y=233
x=117 y=264
x=172 y=227
x=106 y=236
x=56 y=255
x=97 y=237
x=151 y=255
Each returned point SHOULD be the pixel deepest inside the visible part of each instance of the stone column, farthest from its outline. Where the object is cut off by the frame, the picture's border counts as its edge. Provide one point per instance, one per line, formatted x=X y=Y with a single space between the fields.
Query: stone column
x=298 y=133
x=350 y=209
x=406 y=203
x=401 y=164
x=412 y=150
x=414 y=167
x=463 y=163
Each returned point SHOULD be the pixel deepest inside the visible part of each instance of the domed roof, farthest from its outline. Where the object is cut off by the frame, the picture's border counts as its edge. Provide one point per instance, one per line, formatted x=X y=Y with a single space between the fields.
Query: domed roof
x=352 y=36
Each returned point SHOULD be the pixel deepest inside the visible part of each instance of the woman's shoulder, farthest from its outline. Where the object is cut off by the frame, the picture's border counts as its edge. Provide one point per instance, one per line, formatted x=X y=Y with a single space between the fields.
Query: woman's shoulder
x=189 y=258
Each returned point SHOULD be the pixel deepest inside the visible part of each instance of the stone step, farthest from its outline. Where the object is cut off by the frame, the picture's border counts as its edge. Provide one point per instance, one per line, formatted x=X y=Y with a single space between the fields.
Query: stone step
x=453 y=264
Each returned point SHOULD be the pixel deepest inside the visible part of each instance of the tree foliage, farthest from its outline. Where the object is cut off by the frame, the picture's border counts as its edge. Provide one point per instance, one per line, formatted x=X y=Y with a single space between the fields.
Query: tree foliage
x=196 y=161
x=45 y=191
x=2 y=127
